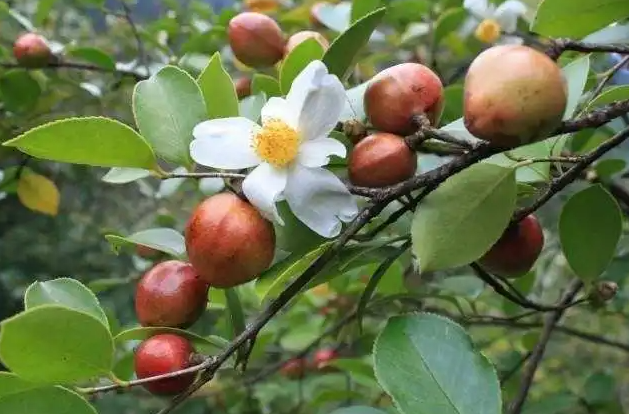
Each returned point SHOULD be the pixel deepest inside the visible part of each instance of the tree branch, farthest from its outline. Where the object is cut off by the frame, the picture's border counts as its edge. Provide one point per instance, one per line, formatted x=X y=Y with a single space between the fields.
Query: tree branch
x=142 y=57
x=77 y=66
x=562 y=44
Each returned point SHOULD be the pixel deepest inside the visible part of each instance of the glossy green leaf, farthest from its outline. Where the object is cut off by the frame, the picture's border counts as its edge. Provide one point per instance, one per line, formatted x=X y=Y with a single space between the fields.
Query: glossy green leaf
x=576 y=18
x=453 y=108
x=609 y=95
x=118 y=175
x=358 y=409
x=209 y=344
x=459 y=221
x=266 y=84
x=576 y=74
x=251 y=106
x=361 y=8
x=93 y=141
x=93 y=55
x=345 y=49
x=429 y=365
x=449 y=21
x=66 y=292
x=236 y=315
x=19 y=91
x=297 y=60
x=599 y=388
x=218 y=90
x=608 y=167
x=18 y=396
x=75 y=347
x=163 y=239
x=167 y=107
x=589 y=229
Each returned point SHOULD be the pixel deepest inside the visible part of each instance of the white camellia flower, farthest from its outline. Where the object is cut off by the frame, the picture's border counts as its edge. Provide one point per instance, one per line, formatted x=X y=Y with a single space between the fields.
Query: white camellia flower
x=488 y=21
x=288 y=152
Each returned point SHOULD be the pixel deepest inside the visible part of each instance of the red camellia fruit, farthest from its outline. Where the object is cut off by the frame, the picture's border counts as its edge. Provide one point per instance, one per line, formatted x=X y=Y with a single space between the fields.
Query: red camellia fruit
x=170 y=294
x=516 y=251
x=243 y=87
x=397 y=94
x=294 y=368
x=381 y=159
x=146 y=252
x=323 y=357
x=228 y=242
x=163 y=354
x=304 y=35
x=256 y=39
x=514 y=95
x=31 y=50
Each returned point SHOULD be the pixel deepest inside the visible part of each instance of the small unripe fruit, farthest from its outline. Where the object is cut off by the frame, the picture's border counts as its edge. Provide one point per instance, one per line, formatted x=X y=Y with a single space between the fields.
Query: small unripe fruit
x=323 y=357
x=243 y=87
x=256 y=39
x=294 y=368
x=163 y=354
x=516 y=251
x=31 y=50
x=514 y=95
x=228 y=242
x=304 y=35
x=398 y=94
x=381 y=159
x=170 y=294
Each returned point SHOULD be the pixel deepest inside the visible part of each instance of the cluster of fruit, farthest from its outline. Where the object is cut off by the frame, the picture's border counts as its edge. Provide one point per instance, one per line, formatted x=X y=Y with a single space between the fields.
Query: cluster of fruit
x=297 y=367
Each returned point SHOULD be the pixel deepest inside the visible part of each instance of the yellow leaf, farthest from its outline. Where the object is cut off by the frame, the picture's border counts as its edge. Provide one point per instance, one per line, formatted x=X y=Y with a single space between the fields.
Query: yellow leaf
x=38 y=193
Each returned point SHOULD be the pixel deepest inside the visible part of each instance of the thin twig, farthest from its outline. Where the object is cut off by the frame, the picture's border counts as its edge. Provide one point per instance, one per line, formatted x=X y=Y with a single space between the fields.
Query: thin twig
x=142 y=57
x=202 y=175
x=77 y=66
x=561 y=45
x=607 y=77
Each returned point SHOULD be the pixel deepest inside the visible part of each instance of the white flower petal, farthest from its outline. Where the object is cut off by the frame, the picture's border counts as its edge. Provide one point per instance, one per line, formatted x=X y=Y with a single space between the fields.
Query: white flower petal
x=319 y=199
x=263 y=187
x=225 y=143
x=317 y=152
x=507 y=14
x=322 y=107
x=278 y=108
x=479 y=8
x=304 y=84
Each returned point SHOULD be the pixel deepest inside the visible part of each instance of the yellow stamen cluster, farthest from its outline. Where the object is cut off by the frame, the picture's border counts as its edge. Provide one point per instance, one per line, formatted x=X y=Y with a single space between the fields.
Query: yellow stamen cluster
x=488 y=31
x=277 y=143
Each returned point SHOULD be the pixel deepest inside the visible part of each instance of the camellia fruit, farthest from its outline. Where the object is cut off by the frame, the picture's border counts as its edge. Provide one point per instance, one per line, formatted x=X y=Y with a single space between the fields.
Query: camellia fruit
x=31 y=50
x=514 y=95
x=294 y=368
x=243 y=87
x=146 y=252
x=516 y=251
x=323 y=357
x=256 y=40
x=398 y=94
x=381 y=159
x=170 y=294
x=228 y=242
x=163 y=354
x=304 y=35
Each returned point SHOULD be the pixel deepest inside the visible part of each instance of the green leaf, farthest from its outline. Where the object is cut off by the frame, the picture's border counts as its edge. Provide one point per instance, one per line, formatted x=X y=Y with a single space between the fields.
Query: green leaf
x=163 y=239
x=297 y=60
x=266 y=84
x=93 y=141
x=93 y=55
x=344 y=51
x=53 y=344
x=449 y=21
x=19 y=91
x=576 y=18
x=453 y=109
x=459 y=221
x=118 y=175
x=66 y=292
x=361 y=8
x=589 y=229
x=219 y=92
x=294 y=236
x=599 y=388
x=18 y=396
x=236 y=315
x=576 y=74
x=166 y=108
x=609 y=95
x=609 y=166
x=428 y=364
x=358 y=409
x=208 y=344
x=251 y=106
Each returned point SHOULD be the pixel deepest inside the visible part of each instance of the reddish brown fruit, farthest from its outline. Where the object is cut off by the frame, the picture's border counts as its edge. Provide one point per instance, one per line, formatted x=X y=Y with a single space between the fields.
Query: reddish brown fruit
x=294 y=368
x=304 y=35
x=243 y=87
x=323 y=357
x=146 y=252
x=516 y=251
x=31 y=50
x=399 y=93
x=170 y=294
x=514 y=95
x=381 y=159
x=228 y=242
x=163 y=354
x=256 y=39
